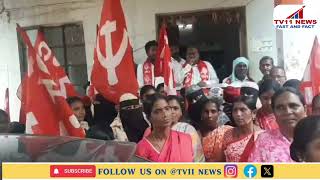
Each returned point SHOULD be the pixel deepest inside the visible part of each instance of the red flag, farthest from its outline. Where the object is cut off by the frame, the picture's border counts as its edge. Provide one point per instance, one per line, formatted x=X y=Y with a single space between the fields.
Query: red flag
x=113 y=72
x=6 y=102
x=57 y=72
x=47 y=112
x=163 y=64
x=310 y=85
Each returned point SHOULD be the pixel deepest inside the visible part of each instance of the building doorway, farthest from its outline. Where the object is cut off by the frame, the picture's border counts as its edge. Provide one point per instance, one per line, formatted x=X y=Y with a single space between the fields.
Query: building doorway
x=220 y=35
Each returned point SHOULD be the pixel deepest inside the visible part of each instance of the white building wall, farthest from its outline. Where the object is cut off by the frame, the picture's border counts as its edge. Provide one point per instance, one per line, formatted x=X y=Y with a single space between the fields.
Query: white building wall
x=141 y=22
x=10 y=68
x=297 y=45
x=259 y=15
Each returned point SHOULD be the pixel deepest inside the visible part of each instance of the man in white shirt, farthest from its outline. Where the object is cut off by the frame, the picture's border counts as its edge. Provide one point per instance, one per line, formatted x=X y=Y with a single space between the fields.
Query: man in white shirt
x=145 y=71
x=177 y=65
x=198 y=72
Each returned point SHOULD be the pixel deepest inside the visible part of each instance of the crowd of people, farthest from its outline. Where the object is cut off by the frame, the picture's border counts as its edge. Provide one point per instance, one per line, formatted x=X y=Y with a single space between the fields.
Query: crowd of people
x=209 y=120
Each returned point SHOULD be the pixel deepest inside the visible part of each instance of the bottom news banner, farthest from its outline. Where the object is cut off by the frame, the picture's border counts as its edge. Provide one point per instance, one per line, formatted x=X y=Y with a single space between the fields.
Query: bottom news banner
x=158 y=171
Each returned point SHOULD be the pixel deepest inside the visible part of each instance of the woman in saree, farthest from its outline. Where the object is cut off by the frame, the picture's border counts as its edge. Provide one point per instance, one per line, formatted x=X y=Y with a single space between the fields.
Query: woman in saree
x=239 y=141
x=178 y=124
x=163 y=144
x=212 y=133
x=274 y=145
x=177 y=106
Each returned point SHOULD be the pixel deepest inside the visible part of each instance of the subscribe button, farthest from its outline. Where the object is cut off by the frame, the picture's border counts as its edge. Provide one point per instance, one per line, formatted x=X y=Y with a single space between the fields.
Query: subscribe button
x=73 y=171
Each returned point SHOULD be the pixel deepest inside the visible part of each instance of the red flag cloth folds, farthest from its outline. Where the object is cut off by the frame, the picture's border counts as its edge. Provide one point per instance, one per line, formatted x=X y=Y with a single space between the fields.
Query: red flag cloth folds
x=47 y=112
x=310 y=85
x=57 y=72
x=113 y=72
x=163 y=64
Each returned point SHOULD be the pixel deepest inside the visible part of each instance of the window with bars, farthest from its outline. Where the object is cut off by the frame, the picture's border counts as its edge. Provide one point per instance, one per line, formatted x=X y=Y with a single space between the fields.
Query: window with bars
x=67 y=42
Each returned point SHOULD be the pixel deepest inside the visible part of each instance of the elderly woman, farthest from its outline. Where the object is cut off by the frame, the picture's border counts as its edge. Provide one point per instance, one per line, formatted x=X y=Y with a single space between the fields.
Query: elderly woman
x=306 y=140
x=163 y=144
x=274 y=146
x=240 y=71
x=238 y=142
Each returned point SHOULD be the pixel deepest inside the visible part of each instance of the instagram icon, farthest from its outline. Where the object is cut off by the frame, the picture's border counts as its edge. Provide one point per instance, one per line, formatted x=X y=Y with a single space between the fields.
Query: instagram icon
x=230 y=171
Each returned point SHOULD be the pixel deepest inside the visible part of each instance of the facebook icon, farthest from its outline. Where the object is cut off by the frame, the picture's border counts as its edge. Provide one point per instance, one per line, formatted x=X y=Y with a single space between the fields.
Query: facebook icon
x=250 y=171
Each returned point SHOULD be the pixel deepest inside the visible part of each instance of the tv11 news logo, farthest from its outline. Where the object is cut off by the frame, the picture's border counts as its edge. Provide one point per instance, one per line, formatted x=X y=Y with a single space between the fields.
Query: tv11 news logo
x=295 y=17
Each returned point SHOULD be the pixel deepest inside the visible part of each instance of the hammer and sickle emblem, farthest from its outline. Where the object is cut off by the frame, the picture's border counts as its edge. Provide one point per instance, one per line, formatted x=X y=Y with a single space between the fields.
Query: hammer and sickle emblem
x=48 y=54
x=45 y=46
x=111 y=61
